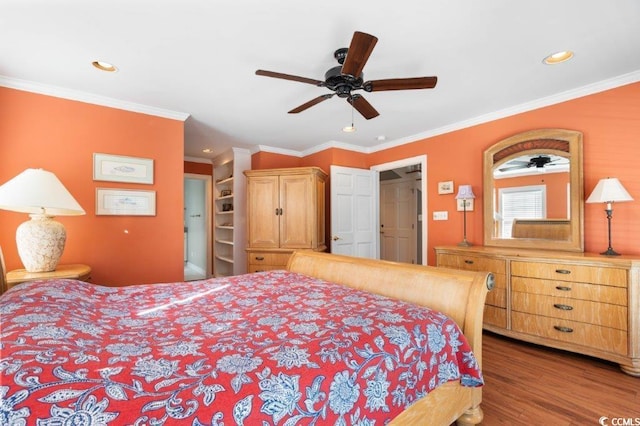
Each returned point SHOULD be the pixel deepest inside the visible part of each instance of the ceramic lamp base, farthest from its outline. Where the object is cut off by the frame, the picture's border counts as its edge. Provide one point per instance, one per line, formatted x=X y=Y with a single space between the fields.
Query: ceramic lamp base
x=40 y=243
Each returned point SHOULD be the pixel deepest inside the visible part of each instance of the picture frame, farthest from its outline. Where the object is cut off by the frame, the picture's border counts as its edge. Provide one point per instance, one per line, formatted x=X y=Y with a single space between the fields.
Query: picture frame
x=125 y=202
x=461 y=204
x=118 y=168
x=445 y=187
x=225 y=193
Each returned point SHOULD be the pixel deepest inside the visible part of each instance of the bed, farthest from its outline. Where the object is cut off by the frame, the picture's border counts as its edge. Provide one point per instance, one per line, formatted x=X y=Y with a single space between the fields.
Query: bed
x=278 y=347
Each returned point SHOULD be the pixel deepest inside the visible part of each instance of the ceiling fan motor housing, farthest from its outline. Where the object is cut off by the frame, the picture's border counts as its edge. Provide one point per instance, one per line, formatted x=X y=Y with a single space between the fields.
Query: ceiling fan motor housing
x=342 y=84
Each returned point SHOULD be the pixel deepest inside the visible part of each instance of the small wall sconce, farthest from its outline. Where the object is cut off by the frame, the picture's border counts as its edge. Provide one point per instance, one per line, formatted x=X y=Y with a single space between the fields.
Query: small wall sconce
x=465 y=192
x=609 y=190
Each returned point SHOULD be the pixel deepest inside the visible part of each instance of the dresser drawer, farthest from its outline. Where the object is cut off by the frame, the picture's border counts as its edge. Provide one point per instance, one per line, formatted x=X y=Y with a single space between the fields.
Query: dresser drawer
x=593 y=336
x=585 y=311
x=264 y=259
x=472 y=263
x=570 y=272
x=595 y=293
x=497 y=296
x=495 y=316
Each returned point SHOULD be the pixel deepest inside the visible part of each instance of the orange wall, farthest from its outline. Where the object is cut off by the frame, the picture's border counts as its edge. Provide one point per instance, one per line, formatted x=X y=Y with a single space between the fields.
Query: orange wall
x=610 y=123
x=38 y=131
x=198 y=168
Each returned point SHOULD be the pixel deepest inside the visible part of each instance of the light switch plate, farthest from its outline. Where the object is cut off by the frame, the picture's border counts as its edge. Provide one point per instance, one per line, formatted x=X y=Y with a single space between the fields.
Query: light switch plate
x=441 y=215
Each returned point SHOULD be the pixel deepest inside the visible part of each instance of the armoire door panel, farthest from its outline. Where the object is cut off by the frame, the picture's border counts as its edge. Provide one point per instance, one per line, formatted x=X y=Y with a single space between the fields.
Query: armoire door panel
x=297 y=218
x=262 y=208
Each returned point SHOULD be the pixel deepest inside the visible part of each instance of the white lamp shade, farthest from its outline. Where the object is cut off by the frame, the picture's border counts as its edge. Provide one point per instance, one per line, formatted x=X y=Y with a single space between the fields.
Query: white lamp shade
x=38 y=191
x=609 y=190
x=465 y=192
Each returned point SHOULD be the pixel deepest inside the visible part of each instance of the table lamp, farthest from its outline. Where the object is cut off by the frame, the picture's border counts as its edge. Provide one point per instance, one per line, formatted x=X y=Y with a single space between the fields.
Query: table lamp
x=40 y=240
x=465 y=192
x=609 y=190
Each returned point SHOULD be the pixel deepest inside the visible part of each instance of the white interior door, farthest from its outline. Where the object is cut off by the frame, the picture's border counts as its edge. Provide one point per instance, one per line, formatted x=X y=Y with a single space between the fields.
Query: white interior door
x=354 y=212
x=397 y=221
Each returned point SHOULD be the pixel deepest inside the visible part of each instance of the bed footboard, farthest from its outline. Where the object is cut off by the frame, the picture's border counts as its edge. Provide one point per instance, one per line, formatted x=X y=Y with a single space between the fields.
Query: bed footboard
x=458 y=294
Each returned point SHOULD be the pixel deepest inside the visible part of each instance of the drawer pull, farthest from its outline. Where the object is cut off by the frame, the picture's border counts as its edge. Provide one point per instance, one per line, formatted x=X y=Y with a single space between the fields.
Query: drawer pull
x=563 y=271
x=563 y=288
x=563 y=329
x=562 y=307
x=468 y=262
x=259 y=257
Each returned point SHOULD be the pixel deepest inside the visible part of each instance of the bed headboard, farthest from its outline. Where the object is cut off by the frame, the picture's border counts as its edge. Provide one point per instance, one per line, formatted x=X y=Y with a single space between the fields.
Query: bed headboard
x=546 y=229
x=458 y=294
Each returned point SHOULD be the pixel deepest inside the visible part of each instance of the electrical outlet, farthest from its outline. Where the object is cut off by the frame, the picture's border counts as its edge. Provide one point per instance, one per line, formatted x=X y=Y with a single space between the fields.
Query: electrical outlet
x=441 y=215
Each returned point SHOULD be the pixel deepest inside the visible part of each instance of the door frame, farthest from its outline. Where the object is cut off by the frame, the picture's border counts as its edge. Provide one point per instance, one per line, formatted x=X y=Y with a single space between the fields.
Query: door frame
x=422 y=160
x=208 y=203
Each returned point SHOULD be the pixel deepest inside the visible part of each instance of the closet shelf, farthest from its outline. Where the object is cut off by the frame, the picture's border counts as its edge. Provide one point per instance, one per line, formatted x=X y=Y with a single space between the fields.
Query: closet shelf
x=224 y=259
x=226 y=180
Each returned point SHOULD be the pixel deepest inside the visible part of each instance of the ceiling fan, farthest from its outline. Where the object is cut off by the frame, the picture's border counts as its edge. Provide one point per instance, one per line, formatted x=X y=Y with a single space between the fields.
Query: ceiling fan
x=347 y=77
x=537 y=162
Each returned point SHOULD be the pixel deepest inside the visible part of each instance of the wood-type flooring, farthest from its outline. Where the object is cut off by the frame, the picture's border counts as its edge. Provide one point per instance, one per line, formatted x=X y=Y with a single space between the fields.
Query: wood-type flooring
x=527 y=384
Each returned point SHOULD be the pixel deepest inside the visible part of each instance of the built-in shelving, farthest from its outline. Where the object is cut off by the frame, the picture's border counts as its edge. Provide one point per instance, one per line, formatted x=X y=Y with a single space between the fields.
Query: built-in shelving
x=230 y=212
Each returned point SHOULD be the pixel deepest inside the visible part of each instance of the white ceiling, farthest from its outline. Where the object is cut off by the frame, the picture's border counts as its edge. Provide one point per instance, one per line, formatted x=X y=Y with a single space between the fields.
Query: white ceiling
x=198 y=58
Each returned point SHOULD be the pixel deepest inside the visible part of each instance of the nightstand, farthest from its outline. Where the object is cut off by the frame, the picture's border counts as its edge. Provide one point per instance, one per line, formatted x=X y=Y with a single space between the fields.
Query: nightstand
x=76 y=272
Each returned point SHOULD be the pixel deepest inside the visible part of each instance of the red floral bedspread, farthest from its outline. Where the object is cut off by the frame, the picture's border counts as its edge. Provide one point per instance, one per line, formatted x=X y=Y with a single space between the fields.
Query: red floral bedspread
x=270 y=348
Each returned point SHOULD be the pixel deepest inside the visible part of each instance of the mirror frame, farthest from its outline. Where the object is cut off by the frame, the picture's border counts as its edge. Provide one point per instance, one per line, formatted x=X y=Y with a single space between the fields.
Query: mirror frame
x=567 y=143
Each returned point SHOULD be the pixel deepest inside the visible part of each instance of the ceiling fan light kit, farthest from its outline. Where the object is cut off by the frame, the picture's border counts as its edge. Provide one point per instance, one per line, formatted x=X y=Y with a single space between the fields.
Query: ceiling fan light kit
x=347 y=77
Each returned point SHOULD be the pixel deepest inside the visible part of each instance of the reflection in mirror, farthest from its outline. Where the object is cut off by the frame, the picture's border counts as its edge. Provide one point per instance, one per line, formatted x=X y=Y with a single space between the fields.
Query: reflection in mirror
x=533 y=191
x=533 y=186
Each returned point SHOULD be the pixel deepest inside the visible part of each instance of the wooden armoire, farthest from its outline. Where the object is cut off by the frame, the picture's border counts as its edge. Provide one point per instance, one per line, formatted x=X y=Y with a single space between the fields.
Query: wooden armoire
x=285 y=212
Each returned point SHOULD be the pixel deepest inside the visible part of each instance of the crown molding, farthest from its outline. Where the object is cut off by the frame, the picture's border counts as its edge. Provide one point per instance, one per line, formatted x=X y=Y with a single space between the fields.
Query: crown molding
x=76 y=95
x=276 y=150
x=339 y=145
x=590 y=89
x=198 y=160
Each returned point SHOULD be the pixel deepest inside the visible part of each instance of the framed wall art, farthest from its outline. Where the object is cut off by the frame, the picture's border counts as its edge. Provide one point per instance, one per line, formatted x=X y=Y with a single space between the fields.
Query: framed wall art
x=117 y=168
x=125 y=202
x=445 y=187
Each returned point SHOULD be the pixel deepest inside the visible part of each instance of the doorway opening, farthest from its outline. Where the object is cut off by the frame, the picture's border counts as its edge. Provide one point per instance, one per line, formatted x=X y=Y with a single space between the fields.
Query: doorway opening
x=197 y=226
x=402 y=201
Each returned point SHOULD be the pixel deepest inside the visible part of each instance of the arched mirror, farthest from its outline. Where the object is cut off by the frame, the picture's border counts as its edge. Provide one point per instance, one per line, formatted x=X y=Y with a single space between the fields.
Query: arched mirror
x=533 y=191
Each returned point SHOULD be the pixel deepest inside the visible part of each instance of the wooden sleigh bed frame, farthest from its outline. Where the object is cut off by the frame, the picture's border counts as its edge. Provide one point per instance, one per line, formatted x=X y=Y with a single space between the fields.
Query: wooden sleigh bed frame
x=458 y=294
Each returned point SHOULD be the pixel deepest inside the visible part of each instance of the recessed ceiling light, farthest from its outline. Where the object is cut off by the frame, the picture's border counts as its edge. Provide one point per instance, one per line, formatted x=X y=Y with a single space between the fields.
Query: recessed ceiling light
x=381 y=138
x=558 y=57
x=104 y=66
x=207 y=150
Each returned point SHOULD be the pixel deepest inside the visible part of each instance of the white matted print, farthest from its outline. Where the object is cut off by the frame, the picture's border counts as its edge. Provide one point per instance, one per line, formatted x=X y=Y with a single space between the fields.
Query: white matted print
x=117 y=168
x=445 y=187
x=125 y=202
x=468 y=203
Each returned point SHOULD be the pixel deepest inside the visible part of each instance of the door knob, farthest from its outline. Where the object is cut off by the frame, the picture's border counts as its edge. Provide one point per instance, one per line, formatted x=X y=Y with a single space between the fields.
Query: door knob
x=336 y=238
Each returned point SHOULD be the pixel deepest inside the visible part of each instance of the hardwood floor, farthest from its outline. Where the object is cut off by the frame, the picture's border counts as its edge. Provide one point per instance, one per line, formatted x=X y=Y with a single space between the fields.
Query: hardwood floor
x=527 y=384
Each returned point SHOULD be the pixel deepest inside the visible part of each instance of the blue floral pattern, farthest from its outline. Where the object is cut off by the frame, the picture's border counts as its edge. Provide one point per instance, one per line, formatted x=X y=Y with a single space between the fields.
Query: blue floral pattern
x=269 y=348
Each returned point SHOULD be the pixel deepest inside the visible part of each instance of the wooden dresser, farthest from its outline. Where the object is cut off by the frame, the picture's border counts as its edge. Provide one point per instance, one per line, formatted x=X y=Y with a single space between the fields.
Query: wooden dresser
x=285 y=212
x=580 y=302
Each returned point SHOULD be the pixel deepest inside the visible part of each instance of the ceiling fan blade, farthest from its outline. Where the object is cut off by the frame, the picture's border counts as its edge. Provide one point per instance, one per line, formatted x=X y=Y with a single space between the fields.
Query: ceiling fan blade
x=289 y=77
x=311 y=103
x=401 y=84
x=362 y=45
x=363 y=106
x=520 y=166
